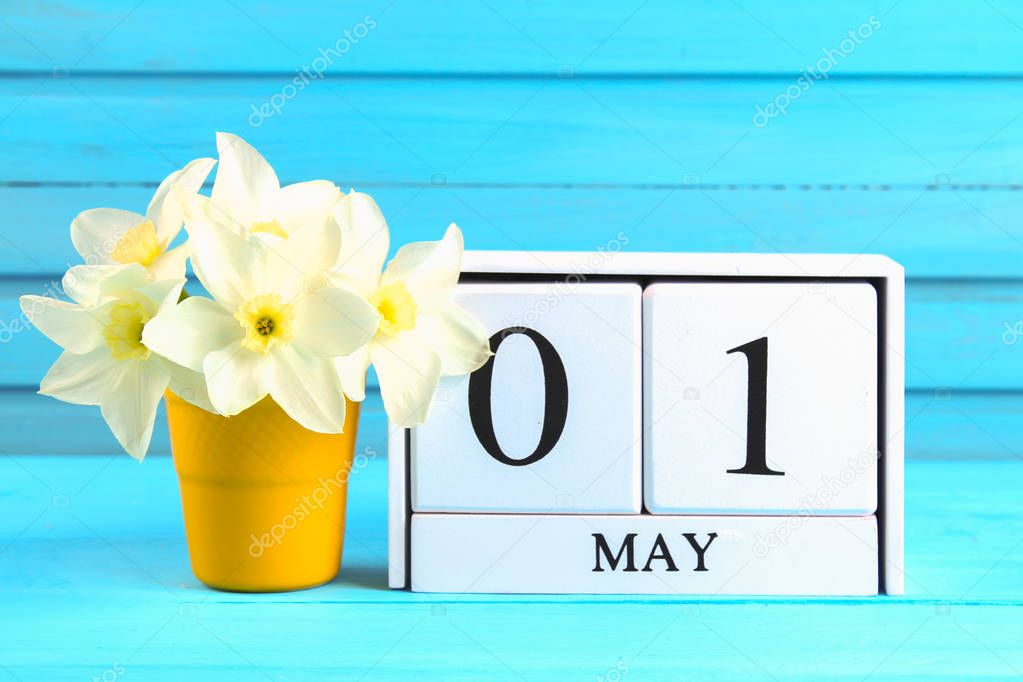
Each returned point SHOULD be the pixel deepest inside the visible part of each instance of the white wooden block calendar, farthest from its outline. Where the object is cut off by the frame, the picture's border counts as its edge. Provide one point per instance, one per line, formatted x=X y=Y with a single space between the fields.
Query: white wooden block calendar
x=663 y=423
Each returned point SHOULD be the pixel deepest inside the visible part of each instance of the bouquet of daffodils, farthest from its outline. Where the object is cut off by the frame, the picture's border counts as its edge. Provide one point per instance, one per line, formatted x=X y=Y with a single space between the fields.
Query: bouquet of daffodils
x=299 y=304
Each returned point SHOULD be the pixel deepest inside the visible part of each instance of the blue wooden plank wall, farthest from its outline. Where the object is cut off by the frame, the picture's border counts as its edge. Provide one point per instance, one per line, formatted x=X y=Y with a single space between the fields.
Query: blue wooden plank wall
x=890 y=126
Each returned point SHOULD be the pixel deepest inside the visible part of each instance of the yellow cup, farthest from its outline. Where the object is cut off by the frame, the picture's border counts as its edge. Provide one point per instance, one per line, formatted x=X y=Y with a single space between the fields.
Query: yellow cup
x=263 y=497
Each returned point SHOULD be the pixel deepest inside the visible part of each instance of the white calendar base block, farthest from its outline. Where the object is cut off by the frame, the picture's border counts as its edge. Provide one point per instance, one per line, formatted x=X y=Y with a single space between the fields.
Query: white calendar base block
x=558 y=554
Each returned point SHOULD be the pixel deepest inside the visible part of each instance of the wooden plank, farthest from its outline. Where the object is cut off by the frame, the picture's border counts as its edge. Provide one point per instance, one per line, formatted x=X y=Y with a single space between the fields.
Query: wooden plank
x=964 y=425
x=663 y=37
x=38 y=425
x=525 y=132
x=127 y=502
x=327 y=642
x=941 y=425
x=961 y=335
x=940 y=233
x=97 y=565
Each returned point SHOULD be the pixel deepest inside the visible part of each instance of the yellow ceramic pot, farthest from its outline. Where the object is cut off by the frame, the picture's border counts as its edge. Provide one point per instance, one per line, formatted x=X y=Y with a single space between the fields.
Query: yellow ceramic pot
x=263 y=497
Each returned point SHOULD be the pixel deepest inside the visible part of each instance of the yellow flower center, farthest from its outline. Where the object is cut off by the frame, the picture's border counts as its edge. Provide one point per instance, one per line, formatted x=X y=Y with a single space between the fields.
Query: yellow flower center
x=267 y=322
x=138 y=245
x=269 y=226
x=123 y=331
x=397 y=308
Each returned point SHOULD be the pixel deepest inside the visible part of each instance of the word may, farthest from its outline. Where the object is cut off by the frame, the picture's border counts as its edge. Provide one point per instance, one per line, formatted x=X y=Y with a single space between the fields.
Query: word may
x=658 y=552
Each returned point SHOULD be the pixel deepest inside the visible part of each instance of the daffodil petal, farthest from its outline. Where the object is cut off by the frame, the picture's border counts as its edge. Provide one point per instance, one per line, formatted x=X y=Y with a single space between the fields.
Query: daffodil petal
x=296 y=265
x=228 y=263
x=156 y=295
x=408 y=372
x=307 y=254
x=305 y=203
x=351 y=369
x=308 y=390
x=187 y=384
x=189 y=331
x=130 y=408
x=89 y=285
x=82 y=379
x=236 y=378
x=170 y=264
x=332 y=322
x=68 y=325
x=458 y=338
x=82 y=282
x=165 y=209
x=429 y=270
x=200 y=211
x=364 y=240
x=245 y=184
x=96 y=232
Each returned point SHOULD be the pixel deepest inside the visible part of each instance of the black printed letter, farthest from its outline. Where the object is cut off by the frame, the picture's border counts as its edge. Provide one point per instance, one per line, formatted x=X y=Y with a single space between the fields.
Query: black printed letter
x=700 y=551
x=555 y=411
x=600 y=545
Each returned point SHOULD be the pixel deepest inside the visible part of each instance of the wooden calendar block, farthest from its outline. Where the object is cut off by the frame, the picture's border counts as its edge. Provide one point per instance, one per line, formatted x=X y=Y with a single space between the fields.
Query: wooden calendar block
x=644 y=554
x=761 y=398
x=760 y=395
x=552 y=422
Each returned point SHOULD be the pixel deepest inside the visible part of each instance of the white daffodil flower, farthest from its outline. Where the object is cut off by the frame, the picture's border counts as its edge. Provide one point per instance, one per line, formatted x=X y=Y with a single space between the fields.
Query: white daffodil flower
x=248 y=198
x=270 y=329
x=104 y=236
x=422 y=334
x=104 y=361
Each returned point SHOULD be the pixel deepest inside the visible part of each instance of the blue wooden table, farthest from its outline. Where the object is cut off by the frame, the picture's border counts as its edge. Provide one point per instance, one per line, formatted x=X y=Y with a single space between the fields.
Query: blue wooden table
x=95 y=583
x=659 y=125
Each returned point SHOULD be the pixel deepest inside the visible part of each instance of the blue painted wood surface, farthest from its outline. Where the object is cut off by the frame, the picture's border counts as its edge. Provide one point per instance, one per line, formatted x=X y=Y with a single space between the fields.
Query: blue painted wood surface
x=938 y=233
x=540 y=126
x=875 y=132
x=518 y=36
x=959 y=336
x=942 y=424
x=94 y=577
